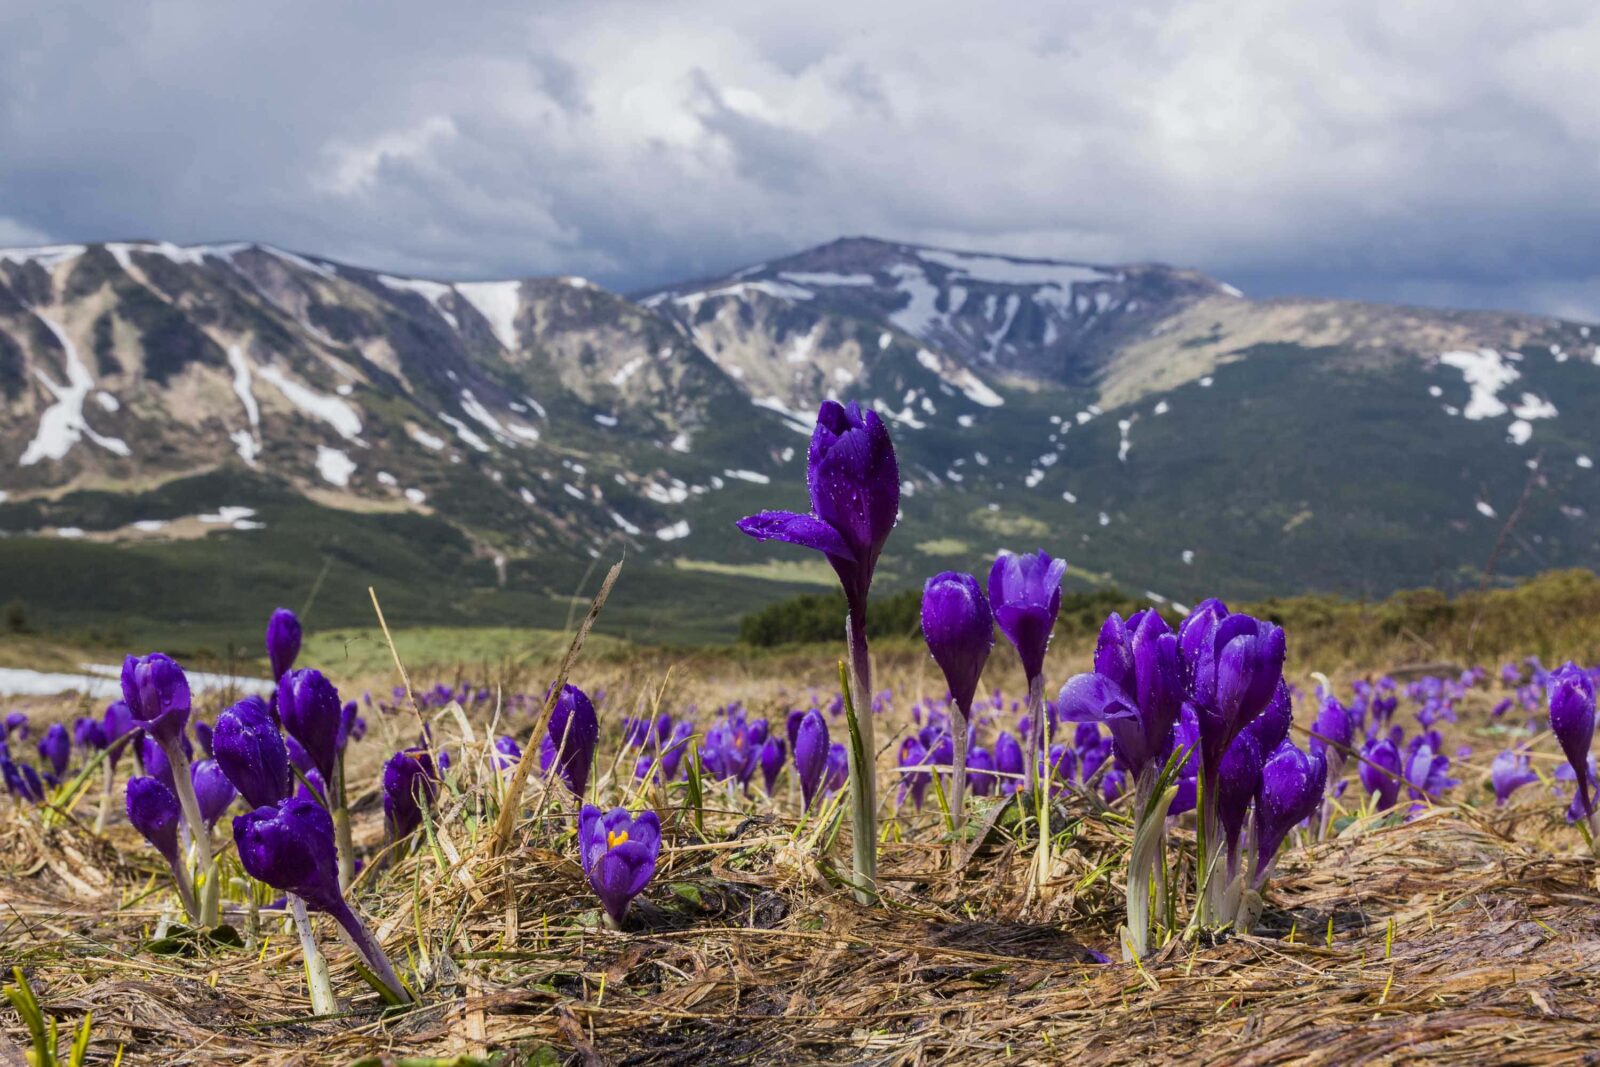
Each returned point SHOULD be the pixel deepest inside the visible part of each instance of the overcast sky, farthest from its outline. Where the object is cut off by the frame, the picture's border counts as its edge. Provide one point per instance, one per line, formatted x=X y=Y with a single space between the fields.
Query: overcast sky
x=1442 y=152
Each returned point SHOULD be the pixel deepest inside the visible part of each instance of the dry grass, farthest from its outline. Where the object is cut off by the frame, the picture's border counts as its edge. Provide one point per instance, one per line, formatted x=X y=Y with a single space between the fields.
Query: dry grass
x=1467 y=935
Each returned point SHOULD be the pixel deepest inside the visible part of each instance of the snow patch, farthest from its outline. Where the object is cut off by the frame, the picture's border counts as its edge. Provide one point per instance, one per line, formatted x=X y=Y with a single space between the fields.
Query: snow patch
x=335 y=466
x=424 y=438
x=62 y=424
x=1486 y=372
x=332 y=410
x=676 y=531
x=433 y=292
x=497 y=302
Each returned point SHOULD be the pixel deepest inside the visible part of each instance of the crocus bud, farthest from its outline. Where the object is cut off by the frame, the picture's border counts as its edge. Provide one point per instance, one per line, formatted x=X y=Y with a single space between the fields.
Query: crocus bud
x=16 y=722
x=283 y=641
x=506 y=753
x=290 y=847
x=119 y=726
x=1025 y=592
x=202 y=736
x=408 y=780
x=1386 y=787
x=838 y=768
x=1238 y=778
x=773 y=753
x=1291 y=789
x=1572 y=708
x=312 y=713
x=88 y=734
x=810 y=754
x=574 y=730
x=619 y=855
x=212 y=790
x=1335 y=723
x=153 y=761
x=1271 y=727
x=1009 y=761
x=959 y=629
x=157 y=694
x=55 y=748
x=980 y=772
x=251 y=752
x=1234 y=664
x=153 y=811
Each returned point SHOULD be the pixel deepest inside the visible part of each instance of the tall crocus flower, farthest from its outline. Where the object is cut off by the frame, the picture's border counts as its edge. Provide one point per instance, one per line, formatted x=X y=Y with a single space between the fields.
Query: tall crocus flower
x=810 y=754
x=154 y=811
x=854 y=483
x=1508 y=773
x=291 y=848
x=1572 y=712
x=283 y=641
x=156 y=692
x=1233 y=665
x=247 y=746
x=55 y=748
x=1136 y=690
x=773 y=752
x=959 y=629
x=313 y=715
x=570 y=741
x=1025 y=593
x=619 y=854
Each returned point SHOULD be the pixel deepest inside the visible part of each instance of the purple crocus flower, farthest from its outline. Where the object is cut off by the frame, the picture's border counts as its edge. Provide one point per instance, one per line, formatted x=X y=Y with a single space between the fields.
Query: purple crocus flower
x=1136 y=689
x=1233 y=664
x=838 y=768
x=773 y=753
x=55 y=748
x=22 y=781
x=1009 y=762
x=312 y=714
x=119 y=726
x=1572 y=711
x=619 y=855
x=247 y=746
x=202 y=737
x=88 y=733
x=152 y=759
x=1292 y=782
x=408 y=780
x=676 y=746
x=506 y=753
x=291 y=847
x=1426 y=771
x=1025 y=592
x=157 y=694
x=16 y=722
x=283 y=641
x=980 y=772
x=1386 y=787
x=1508 y=773
x=854 y=484
x=810 y=754
x=1238 y=781
x=576 y=729
x=212 y=789
x=913 y=783
x=153 y=810
x=959 y=630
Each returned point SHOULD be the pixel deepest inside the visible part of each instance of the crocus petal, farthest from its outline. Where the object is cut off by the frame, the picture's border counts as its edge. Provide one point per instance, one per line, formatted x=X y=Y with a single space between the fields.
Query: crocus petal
x=807 y=531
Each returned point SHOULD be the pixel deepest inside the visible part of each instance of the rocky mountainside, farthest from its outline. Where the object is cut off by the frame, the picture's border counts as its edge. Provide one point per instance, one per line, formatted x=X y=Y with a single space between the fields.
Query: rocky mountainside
x=187 y=433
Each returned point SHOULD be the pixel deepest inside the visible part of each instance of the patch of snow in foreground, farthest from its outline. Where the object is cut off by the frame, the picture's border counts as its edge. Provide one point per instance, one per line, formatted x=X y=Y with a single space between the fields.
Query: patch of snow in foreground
x=97 y=680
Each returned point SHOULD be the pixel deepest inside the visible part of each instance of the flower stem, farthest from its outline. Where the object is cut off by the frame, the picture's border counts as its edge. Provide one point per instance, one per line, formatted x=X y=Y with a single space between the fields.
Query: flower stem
x=863 y=767
x=318 y=984
x=958 y=784
x=341 y=827
x=184 y=786
x=367 y=946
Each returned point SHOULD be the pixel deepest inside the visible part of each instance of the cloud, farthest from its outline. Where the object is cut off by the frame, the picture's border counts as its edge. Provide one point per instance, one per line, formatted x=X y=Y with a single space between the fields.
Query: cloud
x=1419 y=150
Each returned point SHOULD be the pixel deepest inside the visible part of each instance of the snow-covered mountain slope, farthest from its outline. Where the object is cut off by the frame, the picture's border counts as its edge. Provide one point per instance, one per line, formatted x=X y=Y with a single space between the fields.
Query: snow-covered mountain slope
x=1161 y=429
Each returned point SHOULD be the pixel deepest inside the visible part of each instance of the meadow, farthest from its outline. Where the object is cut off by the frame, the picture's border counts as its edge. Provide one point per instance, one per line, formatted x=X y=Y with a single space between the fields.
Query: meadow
x=1302 y=831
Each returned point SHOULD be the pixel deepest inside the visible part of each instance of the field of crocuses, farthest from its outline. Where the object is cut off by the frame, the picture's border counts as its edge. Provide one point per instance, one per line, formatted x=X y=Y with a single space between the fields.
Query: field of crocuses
x=1182 y=843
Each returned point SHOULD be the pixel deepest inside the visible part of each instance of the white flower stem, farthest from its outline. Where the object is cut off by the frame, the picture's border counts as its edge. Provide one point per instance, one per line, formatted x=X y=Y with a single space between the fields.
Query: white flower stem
x=183 y=784
x=318 y=984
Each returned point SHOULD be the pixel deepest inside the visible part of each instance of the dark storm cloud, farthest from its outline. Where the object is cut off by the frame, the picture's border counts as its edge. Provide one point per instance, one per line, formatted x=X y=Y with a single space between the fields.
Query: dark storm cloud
x=1436 y=152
